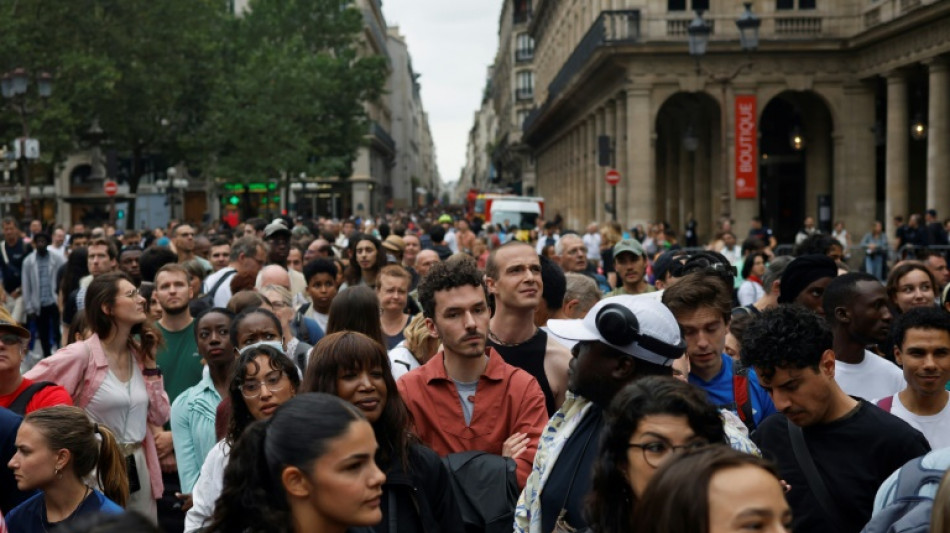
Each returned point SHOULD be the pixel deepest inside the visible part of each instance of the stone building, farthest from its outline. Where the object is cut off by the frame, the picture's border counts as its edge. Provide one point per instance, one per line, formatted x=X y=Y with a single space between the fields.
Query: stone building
x=513 y=98
x=825 y=104
x=479 y=172
x=415 y=169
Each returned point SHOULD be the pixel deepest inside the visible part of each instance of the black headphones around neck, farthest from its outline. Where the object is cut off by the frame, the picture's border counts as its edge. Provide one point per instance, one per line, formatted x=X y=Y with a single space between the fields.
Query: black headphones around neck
x=618 y=325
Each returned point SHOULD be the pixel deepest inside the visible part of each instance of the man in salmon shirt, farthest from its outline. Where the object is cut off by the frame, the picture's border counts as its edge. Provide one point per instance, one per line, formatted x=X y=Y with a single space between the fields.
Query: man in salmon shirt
x=466 y=397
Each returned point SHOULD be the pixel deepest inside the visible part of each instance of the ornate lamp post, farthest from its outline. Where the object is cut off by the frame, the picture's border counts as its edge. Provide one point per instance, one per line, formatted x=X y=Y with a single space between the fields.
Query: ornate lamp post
x=13 y=87
x=698 y=32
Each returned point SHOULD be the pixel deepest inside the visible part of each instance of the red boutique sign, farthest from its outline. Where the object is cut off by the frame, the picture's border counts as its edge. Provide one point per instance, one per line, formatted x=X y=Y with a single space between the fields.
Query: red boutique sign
x=747 y=161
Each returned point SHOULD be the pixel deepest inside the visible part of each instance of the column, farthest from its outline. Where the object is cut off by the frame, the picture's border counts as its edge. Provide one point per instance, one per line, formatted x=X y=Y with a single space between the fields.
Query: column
x=686 y=188
x=704 y=201
x=854 y=183
x=896 y=175
x=596 y=189
x=617 y=126
x=938 y=137
x=641 y=194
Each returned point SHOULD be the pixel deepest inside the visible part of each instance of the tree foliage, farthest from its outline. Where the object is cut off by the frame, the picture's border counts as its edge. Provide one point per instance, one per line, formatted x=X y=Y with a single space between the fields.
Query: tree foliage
x=278 y=89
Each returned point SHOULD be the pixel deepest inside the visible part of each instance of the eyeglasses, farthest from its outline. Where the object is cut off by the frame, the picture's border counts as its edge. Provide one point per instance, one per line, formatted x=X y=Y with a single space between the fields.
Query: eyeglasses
x=656 y=452
x=132 y=293
x=279 y=304
x=10 y=339
x=274 y=381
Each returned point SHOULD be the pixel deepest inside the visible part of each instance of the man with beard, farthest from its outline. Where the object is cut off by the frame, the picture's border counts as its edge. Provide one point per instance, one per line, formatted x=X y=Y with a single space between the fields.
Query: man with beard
x=621 y=339
x=39 y=292
x=466 y=397
x=856 y=308
x=630 y=262
x=181 y=366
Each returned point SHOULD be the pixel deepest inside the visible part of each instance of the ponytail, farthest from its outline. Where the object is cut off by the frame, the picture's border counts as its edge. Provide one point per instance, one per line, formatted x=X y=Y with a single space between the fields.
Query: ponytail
x=113 y=477
x=250 y=500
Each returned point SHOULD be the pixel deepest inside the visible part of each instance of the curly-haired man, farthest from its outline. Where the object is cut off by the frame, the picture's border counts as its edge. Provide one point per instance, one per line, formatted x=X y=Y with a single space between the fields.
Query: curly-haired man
x=853 y=445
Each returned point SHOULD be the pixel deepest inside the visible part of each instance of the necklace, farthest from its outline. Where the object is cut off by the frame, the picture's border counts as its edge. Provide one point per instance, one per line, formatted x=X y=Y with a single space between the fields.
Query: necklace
x=45 y=516
x=497 y=340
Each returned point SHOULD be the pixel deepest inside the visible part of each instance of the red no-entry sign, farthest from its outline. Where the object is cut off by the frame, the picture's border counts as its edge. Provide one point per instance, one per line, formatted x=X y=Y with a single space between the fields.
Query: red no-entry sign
x=110 y=188
x=612 y=177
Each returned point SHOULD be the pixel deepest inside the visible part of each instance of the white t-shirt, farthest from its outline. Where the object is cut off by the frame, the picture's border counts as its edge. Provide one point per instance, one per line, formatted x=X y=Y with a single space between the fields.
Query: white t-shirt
x=401 y=360
x=223 y=295
x=207 y=488
x=592 y=242
x=875 y=377
x=935 y=427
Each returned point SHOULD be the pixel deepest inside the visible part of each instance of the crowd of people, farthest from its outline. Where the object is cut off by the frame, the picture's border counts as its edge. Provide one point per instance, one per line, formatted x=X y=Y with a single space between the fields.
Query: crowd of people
x=430 y=373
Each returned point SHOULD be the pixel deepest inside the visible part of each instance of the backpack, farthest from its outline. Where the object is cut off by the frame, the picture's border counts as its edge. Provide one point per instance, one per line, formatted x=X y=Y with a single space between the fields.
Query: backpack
x=908 y=512
x=206 y=301
x=18 y=405
x=486 y=487
x=742 y=395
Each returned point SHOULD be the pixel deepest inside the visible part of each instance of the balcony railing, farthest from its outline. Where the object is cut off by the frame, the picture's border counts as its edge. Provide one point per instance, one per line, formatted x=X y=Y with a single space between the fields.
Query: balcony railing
x=382 y=136
x=611 y=27
x=522 y=94
x=796 y=26
x=524 y=54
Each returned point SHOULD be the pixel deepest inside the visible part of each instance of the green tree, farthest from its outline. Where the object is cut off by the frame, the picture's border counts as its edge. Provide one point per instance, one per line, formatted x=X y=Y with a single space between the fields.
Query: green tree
x=295 y=91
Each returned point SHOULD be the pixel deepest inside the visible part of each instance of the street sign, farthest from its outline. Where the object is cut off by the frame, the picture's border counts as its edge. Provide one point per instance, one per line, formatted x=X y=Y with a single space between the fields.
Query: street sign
x=612 y=177
x=110 y=187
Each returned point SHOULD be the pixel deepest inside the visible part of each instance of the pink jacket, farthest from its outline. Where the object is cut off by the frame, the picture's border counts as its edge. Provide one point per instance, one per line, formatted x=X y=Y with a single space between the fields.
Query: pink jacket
x=81 y=367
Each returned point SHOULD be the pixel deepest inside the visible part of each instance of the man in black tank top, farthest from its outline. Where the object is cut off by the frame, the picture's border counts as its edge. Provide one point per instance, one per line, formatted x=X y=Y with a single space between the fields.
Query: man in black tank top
x=514 y=277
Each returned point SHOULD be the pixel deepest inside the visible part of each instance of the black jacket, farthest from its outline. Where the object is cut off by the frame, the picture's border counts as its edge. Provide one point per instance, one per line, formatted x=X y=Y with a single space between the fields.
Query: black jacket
x=424 y=499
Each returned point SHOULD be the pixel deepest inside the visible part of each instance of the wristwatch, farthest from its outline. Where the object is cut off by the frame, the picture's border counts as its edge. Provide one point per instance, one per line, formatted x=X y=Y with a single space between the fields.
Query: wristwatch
x=149 y=372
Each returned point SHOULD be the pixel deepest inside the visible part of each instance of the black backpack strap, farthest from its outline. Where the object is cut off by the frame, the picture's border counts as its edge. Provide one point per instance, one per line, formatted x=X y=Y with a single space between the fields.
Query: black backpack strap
x=812 y=476
x=218 y=284
x=302 y=332
x=18 y=405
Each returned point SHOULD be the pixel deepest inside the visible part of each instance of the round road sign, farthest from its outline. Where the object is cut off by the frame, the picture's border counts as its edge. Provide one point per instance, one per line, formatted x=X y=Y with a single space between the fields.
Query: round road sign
x=110 y=187
x=612 y=177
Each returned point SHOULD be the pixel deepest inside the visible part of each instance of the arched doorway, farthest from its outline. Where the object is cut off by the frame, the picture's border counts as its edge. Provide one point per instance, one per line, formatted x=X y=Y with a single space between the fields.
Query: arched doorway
x=795 y=163
x=687 y=163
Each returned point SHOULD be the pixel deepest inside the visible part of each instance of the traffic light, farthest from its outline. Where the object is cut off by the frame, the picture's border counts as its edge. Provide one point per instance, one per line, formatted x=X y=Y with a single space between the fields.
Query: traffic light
x=234 y=200
x=120 y=214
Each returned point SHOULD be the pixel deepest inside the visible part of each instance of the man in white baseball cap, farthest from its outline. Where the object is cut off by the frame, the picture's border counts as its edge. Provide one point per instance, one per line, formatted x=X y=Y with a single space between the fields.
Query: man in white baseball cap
x=621 y=339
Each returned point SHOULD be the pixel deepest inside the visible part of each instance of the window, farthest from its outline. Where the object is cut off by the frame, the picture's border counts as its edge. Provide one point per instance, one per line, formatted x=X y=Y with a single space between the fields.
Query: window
x=525 y=88
x=524 y=50
x=788 y=5
x=685 y=5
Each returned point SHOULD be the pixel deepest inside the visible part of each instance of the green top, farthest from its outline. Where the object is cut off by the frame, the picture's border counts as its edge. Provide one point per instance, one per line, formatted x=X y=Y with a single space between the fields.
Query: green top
x=620 y=291
x=179 y=360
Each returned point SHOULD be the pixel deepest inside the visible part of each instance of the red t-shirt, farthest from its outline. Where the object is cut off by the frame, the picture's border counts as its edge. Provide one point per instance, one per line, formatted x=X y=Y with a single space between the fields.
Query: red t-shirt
x=45 y=397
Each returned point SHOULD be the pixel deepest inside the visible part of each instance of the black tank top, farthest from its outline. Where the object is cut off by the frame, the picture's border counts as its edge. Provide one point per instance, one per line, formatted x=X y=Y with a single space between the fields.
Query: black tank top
x=529 y=356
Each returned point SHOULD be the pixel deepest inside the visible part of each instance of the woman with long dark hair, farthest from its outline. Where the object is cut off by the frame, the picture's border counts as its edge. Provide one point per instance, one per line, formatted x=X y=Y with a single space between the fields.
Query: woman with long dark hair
x=356 y=309
x=647 y=422
x=714 y=489
x=753 y=268
x=263 y=380
x=367 y=258
x=310 y=468
x=356 y=368
x=57 y=448
x=114 y=377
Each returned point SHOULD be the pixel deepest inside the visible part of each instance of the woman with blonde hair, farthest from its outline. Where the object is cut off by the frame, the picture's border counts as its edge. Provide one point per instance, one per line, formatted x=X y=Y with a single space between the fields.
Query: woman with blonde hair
x=114 y=377
x=415 y=350
x=57 y=448
x=610 y=234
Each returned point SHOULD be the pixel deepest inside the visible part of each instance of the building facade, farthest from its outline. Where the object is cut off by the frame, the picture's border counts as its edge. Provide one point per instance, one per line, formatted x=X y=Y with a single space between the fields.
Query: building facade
x=415 y=174
x=513 y=98
x=479 y=172
x=824 y=109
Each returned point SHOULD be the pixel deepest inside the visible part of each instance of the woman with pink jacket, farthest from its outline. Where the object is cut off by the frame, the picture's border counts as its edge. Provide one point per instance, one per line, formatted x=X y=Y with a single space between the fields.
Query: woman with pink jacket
x=114 y=377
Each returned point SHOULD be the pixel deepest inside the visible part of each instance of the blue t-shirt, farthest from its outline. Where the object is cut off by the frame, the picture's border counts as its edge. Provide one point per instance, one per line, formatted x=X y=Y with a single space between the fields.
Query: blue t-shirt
x=720 y=391
x=30 y=516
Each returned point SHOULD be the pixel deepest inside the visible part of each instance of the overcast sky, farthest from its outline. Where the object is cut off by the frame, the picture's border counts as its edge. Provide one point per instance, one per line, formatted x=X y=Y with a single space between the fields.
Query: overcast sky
x=451 y=43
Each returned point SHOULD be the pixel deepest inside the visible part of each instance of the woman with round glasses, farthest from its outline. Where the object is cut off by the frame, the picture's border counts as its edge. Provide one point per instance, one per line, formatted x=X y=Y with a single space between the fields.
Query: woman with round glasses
x=114 y=377
x=648 y=422
x=263 y=380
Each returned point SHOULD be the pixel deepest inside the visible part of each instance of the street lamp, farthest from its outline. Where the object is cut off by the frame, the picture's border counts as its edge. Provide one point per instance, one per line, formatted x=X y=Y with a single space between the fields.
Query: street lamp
x=796 y=140
x=13 y=87
x=698 y=33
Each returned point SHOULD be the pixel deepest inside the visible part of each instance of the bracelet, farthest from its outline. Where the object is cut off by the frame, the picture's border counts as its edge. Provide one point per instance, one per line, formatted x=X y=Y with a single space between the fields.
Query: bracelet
x=150 y=372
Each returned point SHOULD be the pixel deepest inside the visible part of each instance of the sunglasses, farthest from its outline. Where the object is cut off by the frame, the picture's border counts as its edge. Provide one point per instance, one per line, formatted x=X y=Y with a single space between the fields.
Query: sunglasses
x=10 y=339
